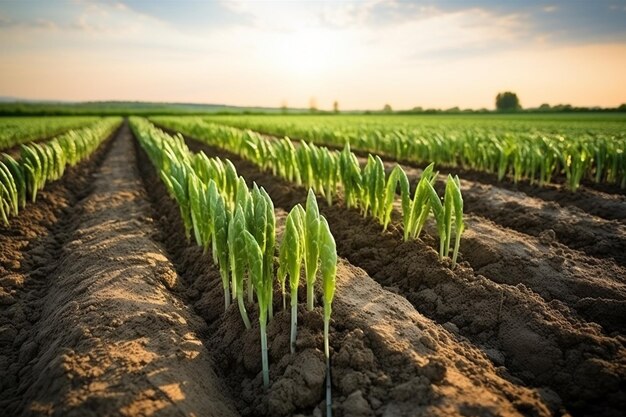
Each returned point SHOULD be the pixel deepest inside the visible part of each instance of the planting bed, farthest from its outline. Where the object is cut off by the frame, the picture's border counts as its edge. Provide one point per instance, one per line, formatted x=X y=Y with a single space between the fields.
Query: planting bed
x=107 y=309
x=388 y=359
x=540 y=341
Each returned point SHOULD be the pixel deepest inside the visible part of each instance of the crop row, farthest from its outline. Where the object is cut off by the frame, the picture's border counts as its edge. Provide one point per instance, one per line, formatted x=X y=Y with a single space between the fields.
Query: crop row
x=238 y=225
x=39 y=163
x=536 y=156
x=17 y=130
x=369 y=188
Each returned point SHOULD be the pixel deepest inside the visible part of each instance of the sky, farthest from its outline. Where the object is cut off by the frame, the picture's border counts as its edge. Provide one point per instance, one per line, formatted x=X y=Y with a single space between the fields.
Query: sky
x=363 y=54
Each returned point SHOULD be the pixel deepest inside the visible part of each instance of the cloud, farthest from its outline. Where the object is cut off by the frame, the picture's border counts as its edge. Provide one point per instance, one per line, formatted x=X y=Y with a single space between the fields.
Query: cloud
x=562 y=21
x=367 y=50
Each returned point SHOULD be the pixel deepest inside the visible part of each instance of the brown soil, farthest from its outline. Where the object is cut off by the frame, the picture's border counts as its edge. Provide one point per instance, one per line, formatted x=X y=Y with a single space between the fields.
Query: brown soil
x=607 y=205
x=387 y=359
x=106 y=336
x=106 y=309
x=28 y=249
x=543 y=344
x=574 y=228
x=591 y=287
x=594 y=287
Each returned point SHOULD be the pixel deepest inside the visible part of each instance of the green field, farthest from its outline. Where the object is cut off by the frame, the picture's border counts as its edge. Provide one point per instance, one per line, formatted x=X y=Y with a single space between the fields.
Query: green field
x=537 y=148
x=17 y=130
x=563 y=123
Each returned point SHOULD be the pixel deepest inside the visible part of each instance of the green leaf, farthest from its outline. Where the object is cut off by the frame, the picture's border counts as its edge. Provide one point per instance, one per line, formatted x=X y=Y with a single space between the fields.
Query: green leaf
x=311 y=245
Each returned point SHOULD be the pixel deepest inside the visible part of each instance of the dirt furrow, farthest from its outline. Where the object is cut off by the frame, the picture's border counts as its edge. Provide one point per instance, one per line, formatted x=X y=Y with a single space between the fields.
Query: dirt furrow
x=606 y=205
x=572 y=227
x=543 y=344
x=387 y=358
x=29 y=251
x=112 y=339
x=593 y=288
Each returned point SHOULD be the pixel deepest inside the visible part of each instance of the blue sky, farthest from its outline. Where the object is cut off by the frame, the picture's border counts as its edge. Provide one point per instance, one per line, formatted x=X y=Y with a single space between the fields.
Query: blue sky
x=362 y=53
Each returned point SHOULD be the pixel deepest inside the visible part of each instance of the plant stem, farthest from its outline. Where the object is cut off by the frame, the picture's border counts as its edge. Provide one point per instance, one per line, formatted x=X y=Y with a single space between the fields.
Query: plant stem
x=242 y=310
x=310 y=297
x=226 y=299
x=270 y=308
x=226 y=283
x=457 y=244
x=294 y=320
x=264 y=359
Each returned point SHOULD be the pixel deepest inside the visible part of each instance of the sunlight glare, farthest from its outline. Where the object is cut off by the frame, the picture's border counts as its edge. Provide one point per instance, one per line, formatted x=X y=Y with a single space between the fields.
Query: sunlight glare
x=306 y=52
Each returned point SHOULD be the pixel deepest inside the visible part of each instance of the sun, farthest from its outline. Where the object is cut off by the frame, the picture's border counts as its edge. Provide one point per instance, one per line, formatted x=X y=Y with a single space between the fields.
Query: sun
x=305 y=52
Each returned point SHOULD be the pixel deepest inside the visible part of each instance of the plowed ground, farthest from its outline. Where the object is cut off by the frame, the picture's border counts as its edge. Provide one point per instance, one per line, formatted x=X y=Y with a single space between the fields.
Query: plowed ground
x=106 y=309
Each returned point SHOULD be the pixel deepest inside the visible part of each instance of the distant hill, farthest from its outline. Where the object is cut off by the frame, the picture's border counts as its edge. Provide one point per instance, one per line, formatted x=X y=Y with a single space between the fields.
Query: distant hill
x=11 y=106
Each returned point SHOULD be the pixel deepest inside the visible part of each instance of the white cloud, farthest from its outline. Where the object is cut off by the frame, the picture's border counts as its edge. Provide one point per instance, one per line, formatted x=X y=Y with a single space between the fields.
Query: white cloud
x=363 y=54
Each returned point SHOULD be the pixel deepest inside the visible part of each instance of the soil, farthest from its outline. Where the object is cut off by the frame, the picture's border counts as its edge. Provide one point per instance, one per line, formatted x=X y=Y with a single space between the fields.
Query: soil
x=512 y=238
x=107 y=309
x=541 y=343
x=102 y=334
x=387 y=359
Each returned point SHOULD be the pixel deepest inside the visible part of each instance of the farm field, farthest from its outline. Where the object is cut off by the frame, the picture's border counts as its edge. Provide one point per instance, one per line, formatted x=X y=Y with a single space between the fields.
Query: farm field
x=17 y=130
x=115 y=294
x=538 y=148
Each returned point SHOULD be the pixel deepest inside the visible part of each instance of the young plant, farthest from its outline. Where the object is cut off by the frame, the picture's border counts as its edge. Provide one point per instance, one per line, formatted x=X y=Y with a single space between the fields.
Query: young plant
x=420 y=206
x=290 y=263
x=220 y=224
x=263 y=286
x=199 y=208
x=33 y=170
x=328 y=269
x=175 y=180
x=243 y=199
x=17 y=173
x=459 y=226
x=237 y=258
x=7 y=196
x=270 y=247
x=8 y=193
x=448 y=203
x=397 y=176
x=350 y=175
x=311 y=246
x=440 y=218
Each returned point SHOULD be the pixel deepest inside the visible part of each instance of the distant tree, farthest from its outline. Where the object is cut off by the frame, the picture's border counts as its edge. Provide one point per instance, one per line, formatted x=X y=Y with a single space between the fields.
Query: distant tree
x=387 y=108
x=336 y=106
x=313 y=105
x=283 y=107
x=544 y=107
x=622 y=107
x=453 y=110
x=417 y=109
x=507 y=101
x=563 y=107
